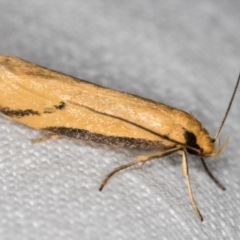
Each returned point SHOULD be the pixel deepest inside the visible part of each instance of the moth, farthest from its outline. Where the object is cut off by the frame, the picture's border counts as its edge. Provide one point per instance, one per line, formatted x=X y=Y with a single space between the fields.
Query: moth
x=64 y=106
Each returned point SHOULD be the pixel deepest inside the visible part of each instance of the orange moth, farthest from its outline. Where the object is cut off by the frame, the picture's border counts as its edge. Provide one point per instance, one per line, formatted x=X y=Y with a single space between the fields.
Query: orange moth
x=65 y=106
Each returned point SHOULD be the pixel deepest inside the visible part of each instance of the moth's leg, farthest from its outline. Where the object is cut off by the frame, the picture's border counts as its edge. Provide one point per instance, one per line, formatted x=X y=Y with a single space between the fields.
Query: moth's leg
x=140 y=159
x=150 y=156
x=186 y=175
x=44 y=138
x=211 y=176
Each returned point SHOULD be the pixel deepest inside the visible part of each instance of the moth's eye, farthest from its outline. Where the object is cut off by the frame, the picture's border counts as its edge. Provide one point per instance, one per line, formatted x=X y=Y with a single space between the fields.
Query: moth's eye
x=191 y=139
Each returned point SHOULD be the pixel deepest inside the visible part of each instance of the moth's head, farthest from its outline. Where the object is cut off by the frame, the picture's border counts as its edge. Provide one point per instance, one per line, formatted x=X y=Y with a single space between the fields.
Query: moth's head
x=206 y=143
x=199 y=143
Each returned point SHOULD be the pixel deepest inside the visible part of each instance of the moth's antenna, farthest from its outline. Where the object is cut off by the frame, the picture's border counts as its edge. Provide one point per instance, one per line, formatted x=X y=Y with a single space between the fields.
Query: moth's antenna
x=228 y=109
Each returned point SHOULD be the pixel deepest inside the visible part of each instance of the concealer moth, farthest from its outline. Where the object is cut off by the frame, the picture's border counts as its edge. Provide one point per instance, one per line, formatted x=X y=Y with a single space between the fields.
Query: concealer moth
x=64 y=106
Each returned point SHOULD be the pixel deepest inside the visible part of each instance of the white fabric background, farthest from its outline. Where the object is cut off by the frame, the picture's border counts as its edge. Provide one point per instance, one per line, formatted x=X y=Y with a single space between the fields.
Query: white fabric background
x=183 y=53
